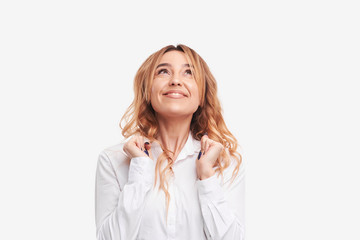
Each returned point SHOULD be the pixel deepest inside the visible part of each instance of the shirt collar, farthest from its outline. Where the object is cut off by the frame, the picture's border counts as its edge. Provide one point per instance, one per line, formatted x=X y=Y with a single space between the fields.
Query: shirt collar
x=191 y=147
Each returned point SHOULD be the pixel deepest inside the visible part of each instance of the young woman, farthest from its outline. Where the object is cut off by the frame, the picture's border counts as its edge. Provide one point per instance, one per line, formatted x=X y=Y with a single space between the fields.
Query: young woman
x=178 y=174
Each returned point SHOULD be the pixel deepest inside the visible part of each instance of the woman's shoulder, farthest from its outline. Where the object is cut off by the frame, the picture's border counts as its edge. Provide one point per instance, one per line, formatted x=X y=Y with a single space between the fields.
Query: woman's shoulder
x=114 y=162
x=115 y=155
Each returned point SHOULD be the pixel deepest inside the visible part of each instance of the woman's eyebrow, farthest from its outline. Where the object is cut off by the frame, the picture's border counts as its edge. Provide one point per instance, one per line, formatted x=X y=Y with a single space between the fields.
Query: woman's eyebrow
x=169 y=65
x=164 y=64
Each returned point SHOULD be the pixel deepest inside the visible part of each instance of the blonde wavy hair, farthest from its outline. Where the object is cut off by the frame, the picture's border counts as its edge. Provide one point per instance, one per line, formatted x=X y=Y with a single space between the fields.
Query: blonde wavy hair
x=140 y=117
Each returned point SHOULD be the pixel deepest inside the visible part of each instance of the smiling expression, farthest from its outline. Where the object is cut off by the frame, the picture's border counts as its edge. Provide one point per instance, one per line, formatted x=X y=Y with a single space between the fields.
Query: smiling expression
x=174 y=91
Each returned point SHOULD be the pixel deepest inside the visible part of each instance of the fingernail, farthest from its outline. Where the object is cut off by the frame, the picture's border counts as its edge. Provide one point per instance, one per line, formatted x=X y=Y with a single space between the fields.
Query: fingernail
x=199 y=155
x=147 y=146
x=147 y=153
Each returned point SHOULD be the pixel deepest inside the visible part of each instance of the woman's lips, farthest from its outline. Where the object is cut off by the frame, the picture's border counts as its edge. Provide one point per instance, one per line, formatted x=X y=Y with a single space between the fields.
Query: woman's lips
x=174 y=95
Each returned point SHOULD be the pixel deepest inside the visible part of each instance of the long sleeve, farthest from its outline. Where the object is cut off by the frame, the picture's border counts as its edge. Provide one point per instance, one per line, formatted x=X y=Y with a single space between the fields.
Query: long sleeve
x=223 y=207
x=119 y=211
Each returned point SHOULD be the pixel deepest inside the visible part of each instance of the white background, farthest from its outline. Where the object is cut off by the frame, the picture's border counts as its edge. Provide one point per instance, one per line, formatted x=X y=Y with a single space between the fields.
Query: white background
x=287 y=72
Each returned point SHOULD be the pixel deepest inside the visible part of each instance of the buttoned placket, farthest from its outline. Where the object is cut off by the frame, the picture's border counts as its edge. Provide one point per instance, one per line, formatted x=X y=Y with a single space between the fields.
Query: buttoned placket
x=187 y=150
x=172 y=212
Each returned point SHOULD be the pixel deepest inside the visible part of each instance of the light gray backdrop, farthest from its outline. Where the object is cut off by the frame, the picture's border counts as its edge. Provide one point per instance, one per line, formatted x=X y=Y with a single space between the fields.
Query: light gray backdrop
x=287 y=73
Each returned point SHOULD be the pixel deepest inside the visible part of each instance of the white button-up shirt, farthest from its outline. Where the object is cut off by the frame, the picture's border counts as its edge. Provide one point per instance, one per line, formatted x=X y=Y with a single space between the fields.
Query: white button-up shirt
x=129 y=207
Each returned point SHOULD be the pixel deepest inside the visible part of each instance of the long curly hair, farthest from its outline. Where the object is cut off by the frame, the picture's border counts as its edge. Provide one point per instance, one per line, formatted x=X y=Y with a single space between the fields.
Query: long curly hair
x=140 y=117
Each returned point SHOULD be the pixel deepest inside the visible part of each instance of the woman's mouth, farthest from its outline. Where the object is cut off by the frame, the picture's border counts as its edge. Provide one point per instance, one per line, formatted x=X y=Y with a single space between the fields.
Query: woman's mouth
x=174 y=95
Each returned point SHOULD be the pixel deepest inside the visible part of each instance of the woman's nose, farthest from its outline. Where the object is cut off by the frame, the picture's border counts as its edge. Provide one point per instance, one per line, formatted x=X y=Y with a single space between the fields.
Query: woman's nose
x=175 y=80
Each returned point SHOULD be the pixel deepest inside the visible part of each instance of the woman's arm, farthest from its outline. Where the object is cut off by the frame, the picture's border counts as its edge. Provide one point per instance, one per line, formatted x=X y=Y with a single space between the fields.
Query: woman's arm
x=223 y=206
x=119 y=211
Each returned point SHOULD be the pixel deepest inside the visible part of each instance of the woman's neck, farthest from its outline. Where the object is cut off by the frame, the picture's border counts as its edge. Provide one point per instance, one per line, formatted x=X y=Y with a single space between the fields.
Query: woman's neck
x=173 y=133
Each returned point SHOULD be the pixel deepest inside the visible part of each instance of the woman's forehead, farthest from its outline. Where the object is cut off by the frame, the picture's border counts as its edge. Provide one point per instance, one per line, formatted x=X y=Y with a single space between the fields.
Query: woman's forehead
x=174 y=57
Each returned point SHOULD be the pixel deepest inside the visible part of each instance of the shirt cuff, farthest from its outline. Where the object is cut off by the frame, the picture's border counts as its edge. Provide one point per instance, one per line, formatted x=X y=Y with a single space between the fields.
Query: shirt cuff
x=141 y=170
x=210 y=188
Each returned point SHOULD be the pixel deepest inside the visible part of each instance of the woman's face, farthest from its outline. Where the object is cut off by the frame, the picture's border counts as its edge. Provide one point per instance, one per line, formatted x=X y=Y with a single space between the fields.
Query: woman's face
x=174 y=92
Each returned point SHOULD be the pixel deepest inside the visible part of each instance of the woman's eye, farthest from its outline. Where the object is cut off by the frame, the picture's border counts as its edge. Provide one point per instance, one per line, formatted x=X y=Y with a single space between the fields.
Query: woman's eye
x=188 y=72
x=163 y=71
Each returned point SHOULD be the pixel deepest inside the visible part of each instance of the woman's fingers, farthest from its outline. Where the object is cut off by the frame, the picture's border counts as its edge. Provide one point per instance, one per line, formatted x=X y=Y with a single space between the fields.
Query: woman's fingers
x=207 y=145
x=144 y=145
x=140 y=142
x=210 y=149
x=135 y=141
x=136 y=147
x=143 y=142
x=203 y=143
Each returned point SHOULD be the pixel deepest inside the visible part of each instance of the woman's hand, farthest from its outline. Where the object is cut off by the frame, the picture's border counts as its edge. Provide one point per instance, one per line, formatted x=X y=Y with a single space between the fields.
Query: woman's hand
x=210 y=152
x=137 y=147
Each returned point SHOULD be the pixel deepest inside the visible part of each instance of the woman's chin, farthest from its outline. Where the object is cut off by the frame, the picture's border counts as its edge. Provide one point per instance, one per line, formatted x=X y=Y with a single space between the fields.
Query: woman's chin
x=174 y=113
